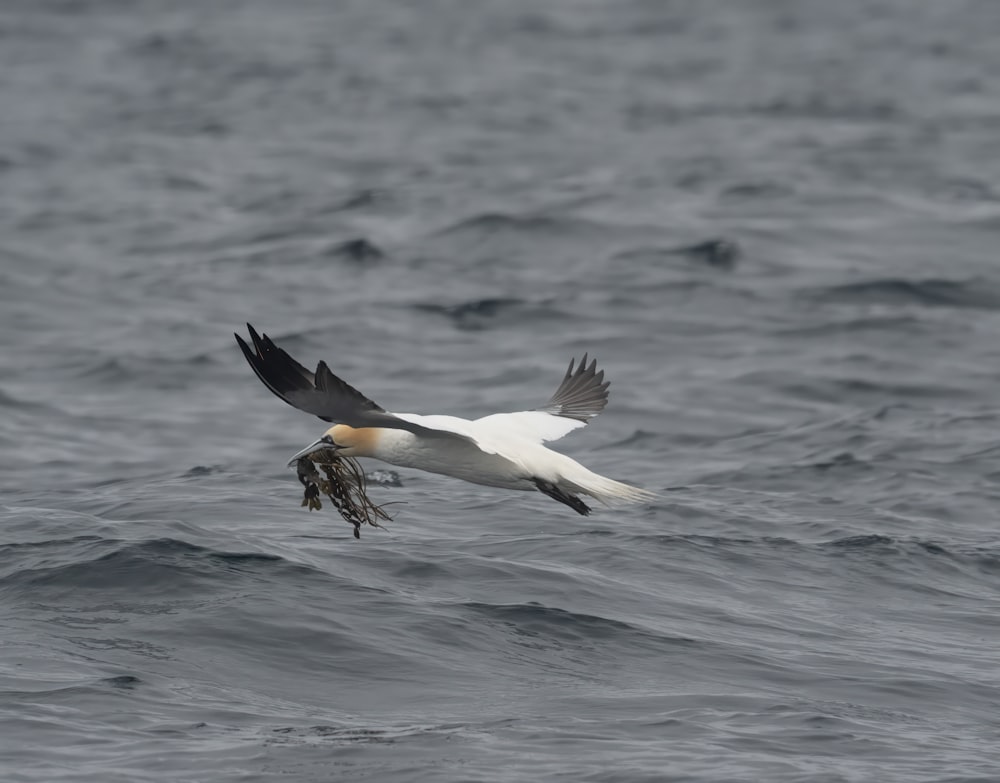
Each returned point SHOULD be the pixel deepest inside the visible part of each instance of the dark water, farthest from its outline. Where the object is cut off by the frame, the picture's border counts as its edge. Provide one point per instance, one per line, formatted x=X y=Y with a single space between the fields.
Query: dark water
x=776 y=225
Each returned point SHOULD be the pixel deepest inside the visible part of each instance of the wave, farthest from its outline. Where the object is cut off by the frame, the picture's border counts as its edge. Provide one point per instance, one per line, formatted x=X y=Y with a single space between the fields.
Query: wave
x=534 y=619
x=358 y=251
x=353 y=734
x=984 y=559
x=162 y=566
x=820 y=105
x=494 y=222
x=826 y=389
x=16 y=403
x=161 y=372
x=717 y=253
x=121 y=682
x=488 y=312
x=932 y=292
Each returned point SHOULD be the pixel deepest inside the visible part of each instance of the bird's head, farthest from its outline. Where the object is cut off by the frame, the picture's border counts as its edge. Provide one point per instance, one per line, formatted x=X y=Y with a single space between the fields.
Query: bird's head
x=345 y=441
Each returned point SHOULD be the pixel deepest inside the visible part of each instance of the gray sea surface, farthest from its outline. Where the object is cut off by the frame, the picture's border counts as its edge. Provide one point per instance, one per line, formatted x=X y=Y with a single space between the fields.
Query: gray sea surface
x=776 y=226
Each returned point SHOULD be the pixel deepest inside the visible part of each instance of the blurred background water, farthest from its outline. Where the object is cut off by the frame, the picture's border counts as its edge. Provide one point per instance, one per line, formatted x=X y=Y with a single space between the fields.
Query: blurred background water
x=776 y=226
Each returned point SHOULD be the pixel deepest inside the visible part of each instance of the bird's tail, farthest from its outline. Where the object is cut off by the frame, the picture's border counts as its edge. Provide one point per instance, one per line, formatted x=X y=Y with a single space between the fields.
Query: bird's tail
x=608 y=491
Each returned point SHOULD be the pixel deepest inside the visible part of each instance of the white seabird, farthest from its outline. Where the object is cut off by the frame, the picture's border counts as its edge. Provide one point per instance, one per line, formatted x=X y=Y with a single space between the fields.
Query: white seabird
x=502 y=450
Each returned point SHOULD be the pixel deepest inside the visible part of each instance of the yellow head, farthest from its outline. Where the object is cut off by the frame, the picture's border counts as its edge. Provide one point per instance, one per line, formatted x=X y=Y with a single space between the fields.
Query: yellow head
x=353 y=441
x=345 y=441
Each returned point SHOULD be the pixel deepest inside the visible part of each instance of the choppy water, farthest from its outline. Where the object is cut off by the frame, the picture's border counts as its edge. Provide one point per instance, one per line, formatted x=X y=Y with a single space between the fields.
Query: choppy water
x=776 y=225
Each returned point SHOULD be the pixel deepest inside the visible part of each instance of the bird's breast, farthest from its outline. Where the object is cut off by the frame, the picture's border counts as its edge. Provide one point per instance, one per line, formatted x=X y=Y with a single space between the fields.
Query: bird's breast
x=456 y=457
x=407 y=449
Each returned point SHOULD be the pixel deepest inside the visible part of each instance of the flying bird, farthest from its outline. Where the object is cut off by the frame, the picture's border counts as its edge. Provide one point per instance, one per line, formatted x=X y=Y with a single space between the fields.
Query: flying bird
x=501 y=450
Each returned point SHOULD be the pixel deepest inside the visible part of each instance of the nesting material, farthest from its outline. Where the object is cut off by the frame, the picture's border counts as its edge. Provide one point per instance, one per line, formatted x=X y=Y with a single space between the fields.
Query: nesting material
x=344 y=484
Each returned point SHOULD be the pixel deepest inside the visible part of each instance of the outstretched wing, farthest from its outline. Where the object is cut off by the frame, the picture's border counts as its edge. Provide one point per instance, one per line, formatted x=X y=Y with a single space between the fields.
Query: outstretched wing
x=320 y=393
x=582 y=394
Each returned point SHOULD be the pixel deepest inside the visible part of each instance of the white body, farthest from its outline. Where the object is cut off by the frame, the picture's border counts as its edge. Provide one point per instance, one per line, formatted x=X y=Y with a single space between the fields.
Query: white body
x=503 y=450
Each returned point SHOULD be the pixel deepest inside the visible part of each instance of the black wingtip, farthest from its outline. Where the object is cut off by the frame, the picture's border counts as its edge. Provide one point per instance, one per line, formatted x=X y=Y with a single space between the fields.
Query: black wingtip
x=260 y=343
x=247 y=352
x=583 y=392
x=275 y=368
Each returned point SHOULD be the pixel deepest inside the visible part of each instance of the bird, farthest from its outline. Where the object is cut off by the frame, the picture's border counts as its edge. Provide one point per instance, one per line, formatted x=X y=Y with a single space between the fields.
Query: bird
x=505 y=450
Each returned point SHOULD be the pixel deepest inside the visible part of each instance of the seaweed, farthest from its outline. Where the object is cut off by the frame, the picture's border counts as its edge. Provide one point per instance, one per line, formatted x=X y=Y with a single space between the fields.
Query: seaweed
x=345 y=485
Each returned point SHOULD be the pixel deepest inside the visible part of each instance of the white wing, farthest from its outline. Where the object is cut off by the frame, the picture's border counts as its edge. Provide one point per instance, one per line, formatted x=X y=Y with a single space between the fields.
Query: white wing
x=581 y=395
x=491 y=433
x=455 y=426
x=533 y=425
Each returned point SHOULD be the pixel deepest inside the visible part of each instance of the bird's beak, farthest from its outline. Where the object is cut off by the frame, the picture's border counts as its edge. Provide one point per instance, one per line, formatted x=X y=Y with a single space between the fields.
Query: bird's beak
x=312 y=448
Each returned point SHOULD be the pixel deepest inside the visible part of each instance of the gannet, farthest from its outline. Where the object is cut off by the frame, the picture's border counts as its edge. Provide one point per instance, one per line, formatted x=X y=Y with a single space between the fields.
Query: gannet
x=501 y=450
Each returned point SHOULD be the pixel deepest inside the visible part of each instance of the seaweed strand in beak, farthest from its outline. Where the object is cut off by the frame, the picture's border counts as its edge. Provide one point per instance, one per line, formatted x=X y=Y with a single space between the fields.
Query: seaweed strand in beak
x=345 y=485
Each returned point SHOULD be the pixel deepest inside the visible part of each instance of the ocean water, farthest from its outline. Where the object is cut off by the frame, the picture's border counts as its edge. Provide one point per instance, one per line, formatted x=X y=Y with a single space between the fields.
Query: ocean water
x=774 y=224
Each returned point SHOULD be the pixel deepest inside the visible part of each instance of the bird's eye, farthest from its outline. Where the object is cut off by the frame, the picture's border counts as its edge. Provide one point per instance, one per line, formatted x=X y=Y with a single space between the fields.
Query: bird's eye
x=327 y=439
